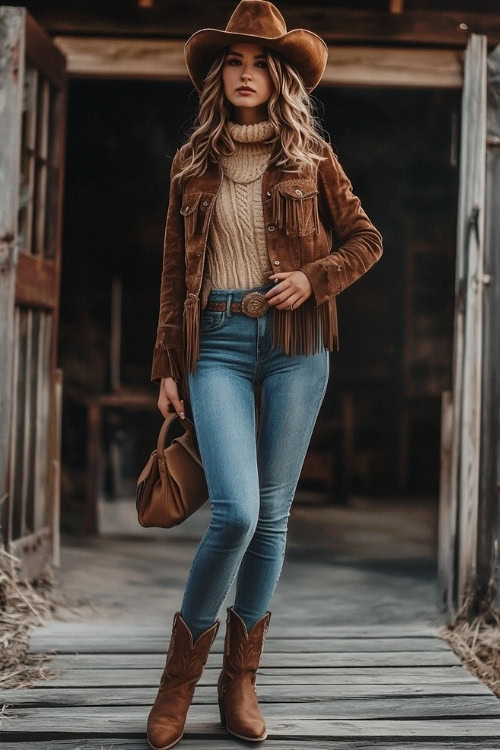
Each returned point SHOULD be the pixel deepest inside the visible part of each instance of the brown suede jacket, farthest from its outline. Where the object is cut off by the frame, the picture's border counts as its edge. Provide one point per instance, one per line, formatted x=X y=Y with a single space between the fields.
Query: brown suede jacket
x=305 y=217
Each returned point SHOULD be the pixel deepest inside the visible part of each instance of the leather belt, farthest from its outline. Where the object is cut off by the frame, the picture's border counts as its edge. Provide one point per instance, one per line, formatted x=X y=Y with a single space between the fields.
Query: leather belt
x=253 y=304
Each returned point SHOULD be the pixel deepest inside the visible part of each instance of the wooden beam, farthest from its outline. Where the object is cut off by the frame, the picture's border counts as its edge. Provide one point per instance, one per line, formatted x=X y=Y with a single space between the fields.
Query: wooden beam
x=42 y=53
x=451 y=28
x=36 y=282
x=347 y=65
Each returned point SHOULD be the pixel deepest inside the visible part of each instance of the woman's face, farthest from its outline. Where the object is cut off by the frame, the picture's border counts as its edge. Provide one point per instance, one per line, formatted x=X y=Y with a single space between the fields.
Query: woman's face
x=245 y=66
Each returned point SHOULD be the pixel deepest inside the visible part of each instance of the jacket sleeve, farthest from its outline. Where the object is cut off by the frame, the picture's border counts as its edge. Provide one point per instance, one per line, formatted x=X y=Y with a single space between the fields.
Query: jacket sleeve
x=361 y=242
x=167 y=355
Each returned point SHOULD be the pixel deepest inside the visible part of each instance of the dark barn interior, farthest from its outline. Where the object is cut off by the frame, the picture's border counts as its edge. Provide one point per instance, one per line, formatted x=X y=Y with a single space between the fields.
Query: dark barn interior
x=378 y=430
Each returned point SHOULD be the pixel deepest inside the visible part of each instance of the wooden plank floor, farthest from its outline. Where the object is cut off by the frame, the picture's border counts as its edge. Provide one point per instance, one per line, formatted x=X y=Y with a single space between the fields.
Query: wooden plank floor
x=352 y=660
x=384 y=687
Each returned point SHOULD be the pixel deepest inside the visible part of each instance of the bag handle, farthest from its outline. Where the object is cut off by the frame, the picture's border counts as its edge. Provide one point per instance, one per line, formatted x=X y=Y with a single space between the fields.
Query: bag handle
x=162 y=434
x=185 y=440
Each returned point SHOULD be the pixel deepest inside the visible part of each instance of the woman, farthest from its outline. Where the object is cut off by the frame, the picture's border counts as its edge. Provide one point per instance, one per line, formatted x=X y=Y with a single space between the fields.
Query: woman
x=247 y=302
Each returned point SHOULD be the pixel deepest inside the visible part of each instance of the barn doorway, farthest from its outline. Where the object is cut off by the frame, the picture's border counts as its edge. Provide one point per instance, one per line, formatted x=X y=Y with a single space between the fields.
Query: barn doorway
x=381 y=415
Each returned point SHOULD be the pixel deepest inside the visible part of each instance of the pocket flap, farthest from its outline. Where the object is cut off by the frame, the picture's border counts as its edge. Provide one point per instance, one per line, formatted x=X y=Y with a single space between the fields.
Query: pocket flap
x=189 y=203
x=298 y=190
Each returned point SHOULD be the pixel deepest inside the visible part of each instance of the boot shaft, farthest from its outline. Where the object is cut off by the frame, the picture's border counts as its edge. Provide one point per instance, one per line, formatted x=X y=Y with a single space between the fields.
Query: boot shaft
x=185 y=658
x=243 y=649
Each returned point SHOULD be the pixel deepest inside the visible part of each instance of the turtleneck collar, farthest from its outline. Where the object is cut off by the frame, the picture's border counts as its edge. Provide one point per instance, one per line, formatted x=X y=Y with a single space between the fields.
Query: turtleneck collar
x=259 y=131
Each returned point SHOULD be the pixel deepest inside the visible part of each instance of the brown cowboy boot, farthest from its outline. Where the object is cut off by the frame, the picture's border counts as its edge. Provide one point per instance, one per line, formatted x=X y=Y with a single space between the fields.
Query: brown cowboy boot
x=184 y=666
x=238 y=705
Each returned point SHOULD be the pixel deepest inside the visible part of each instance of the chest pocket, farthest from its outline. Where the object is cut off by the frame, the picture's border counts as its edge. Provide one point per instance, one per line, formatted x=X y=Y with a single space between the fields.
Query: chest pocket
x=295 y=207
x=195 y=209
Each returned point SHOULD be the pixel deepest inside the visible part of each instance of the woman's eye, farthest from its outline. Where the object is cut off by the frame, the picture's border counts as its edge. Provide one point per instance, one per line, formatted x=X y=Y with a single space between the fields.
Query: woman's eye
x=261 y=63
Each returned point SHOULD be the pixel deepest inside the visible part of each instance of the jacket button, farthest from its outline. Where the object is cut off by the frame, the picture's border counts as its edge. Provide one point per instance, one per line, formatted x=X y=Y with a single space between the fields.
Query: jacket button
x=268 y=193
x=271 y=227
x=198 y=255
x=276 y=262
x=205 y=203
x=299 y=192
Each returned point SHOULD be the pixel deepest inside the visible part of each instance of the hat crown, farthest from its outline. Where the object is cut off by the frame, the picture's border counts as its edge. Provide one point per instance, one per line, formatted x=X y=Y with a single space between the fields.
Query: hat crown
x=258 y=18
x=261 y=22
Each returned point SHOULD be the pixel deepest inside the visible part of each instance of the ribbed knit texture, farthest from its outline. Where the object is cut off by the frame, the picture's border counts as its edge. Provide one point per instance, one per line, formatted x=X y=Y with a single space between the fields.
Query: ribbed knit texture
x=236 y=247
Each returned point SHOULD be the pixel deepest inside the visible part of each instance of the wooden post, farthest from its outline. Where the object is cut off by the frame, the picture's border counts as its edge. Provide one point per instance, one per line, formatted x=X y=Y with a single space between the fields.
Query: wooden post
x=11 y=85
x=447 y=526
x=468 y=370
x=489 y=477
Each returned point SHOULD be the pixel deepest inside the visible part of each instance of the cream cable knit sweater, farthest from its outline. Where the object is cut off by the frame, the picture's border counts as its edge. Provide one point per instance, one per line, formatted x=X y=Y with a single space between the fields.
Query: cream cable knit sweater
x=236 y=246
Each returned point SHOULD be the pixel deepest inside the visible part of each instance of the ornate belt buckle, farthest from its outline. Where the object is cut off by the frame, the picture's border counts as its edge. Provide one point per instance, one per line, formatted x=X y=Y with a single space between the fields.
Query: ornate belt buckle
x=254 y=304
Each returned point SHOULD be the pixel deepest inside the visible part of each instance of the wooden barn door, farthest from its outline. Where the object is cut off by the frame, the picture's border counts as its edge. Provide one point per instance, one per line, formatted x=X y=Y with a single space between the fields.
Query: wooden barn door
x=32 y=124
x=470 y=440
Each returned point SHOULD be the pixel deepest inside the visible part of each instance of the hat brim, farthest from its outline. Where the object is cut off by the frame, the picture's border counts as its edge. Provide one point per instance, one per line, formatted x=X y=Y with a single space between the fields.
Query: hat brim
x=304 y=49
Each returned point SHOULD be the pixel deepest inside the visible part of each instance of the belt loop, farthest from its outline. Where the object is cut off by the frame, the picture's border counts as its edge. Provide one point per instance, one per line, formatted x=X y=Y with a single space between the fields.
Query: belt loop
x=228 y=304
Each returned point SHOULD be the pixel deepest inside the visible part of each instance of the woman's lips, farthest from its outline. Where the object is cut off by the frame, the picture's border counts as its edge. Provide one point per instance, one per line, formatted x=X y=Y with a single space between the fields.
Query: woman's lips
x=245 y=91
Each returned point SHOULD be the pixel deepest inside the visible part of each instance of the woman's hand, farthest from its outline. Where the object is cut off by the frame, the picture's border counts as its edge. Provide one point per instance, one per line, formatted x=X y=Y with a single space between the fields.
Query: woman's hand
x=169 y=396
x=294 y=288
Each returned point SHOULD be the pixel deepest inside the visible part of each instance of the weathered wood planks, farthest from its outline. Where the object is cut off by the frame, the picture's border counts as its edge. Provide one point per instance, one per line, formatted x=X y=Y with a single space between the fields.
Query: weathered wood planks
x=109 y=645
x=121 y=721
x=287 y=659
x=332 y=689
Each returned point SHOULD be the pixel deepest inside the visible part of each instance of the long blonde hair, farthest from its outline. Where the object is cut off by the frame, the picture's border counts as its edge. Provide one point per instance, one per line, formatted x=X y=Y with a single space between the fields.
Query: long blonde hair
x=290 y=109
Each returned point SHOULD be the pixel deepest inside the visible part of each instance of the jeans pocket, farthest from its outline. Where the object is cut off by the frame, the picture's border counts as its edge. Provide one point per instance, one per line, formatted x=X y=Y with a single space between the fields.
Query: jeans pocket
x=211 y=320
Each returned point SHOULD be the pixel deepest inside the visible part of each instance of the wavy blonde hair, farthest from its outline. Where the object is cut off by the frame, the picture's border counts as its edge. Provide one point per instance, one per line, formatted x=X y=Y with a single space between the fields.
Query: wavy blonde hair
x=290 y=109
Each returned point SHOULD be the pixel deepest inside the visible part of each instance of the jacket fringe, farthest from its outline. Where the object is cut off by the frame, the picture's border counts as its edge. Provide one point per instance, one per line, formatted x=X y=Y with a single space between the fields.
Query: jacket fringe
x=307 y=329
x=291 y=212
x=191 y=331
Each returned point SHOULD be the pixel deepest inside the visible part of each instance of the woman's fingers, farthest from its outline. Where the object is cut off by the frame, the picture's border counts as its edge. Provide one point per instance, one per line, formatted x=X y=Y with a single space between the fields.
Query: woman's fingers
x=294 y=288
x=169 y=396
x=294 y=299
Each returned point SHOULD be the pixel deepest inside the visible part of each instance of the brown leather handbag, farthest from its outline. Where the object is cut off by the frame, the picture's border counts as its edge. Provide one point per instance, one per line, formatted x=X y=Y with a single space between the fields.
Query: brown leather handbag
x=172 y=485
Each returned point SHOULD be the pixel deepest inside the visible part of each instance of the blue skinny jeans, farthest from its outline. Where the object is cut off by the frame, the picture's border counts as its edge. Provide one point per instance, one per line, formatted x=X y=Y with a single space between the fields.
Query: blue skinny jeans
x=251 y=478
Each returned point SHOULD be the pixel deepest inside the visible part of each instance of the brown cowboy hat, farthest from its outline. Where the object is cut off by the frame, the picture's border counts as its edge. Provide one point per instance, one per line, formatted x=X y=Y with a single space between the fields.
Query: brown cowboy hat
x=258 y=21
